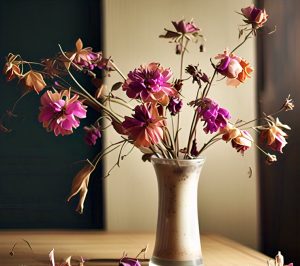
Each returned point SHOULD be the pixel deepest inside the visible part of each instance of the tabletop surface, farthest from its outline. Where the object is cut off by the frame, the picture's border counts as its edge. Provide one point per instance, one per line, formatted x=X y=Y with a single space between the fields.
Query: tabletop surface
x=104 y=248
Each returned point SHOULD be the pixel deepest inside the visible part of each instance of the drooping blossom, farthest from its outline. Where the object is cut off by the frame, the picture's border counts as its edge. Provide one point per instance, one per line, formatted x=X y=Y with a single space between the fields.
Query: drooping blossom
x=270 y=158
x=80 y=185
x=288 y=104
x=129 y=262
x=255 y=16
x=145 y=127
x=274 y=135
x=233 y=67
x=11 y=71
x=93 y=133
x=150 y=83
x=175 y=105
x=214 y=116
x=60 y=113
x=33 y=80
x=240 y=139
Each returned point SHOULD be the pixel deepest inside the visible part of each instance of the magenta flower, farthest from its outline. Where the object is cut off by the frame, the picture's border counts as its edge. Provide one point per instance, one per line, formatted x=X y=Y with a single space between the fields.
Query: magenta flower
x=145 y=128
x=60 y=113
x=255 y=16
x=150 y=84
x=175 y=105
x=92 y=134
x=129 y=262
x=214 y=116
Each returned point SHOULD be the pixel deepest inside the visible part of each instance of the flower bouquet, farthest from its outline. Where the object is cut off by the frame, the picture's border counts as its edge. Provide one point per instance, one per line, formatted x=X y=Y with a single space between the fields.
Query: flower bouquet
x=152 y=98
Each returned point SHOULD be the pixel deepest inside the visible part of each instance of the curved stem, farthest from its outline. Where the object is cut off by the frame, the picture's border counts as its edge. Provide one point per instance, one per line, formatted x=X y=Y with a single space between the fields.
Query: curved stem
x=246 y=38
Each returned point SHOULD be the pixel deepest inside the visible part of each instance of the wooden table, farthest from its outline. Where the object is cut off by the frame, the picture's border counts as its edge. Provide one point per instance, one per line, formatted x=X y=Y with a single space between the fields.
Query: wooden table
x=93 y=245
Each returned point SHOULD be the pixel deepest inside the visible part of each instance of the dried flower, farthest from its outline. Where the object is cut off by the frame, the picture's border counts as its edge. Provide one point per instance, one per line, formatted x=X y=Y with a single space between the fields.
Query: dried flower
x=80 y=185
x=270 y=158
x=274 y=135
x=288 y=104
x=241 y=140
x=11 y=70
x=145 y=128
x=60 y=113
x=233 y=67
x=255 y=16
x=197 y=75
x=194 y=150
x=84 y=57
x=34 y=81
x=214 y=116
x=150 y=84
x=93 y=133
x=175 y=105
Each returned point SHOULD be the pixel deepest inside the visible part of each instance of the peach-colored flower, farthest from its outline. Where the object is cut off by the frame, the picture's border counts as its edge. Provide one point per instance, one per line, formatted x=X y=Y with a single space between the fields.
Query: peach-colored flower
x=233 y=67
x=274 y=135
x=240 y=139
x=11 y=71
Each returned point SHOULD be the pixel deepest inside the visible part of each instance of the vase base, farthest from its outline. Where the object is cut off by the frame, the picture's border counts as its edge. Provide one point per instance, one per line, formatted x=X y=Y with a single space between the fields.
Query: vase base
x=165 y=262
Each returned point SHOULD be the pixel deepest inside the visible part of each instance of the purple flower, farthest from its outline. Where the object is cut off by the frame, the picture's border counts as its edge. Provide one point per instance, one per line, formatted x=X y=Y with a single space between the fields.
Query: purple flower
x=185 y=27
x=150 y=84
x=255 y=16
x=214 y=116
x=129 y=262
x=92 y=134
x=175 y=105
x=60 y=113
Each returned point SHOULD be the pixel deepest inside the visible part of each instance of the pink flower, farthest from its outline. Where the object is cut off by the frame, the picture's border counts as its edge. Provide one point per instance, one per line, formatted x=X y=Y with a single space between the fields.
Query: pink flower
x=60 y=113
x=274 y=137
x=129 y=262
x=255 y=16
x=145 y=128
x=233 y=67
x=150 y=84
x=185 y=27
x=93 y=133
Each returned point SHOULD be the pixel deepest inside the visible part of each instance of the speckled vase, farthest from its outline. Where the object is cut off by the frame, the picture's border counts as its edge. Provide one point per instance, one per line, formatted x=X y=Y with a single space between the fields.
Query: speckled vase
x=177 y=234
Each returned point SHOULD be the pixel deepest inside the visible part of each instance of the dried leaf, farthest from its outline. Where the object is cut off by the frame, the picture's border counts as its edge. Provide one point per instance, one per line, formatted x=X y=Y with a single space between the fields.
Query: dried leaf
x=80 y=185
x=34 y=81
x=116 y=86
x=4 y=129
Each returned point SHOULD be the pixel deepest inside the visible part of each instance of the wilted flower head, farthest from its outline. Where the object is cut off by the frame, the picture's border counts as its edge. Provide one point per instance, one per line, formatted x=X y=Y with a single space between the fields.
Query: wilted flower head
x=274 y=135
x=214 y=116
x=233 y=67
x=194 y=150
x=93 y=133
x=11 y=68
x=185 y=27
x=241 y=140
x=270 y=158
x=197 y=74
x=60 y=112
x=85 y=57
x=150 y=84
x=145 y=127
x=175 y=105
x=288 y=104
x=80 y=185
x=255 y=16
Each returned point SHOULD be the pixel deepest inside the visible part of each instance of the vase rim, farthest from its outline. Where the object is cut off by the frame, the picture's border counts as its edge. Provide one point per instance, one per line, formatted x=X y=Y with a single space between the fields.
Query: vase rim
x=200 y=160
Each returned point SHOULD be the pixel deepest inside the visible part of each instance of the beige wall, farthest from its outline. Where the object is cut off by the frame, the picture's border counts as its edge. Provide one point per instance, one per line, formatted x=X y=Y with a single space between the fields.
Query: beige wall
x=227 y=197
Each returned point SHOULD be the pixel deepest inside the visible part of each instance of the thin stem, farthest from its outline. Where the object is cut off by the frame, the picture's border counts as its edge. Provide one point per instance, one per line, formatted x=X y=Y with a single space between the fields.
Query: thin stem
x=246 y=38
x=118 y=70
x=210 y=142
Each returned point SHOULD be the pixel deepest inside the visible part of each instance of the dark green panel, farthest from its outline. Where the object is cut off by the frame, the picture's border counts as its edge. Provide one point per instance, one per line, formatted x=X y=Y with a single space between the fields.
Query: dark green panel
x=36 y=168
